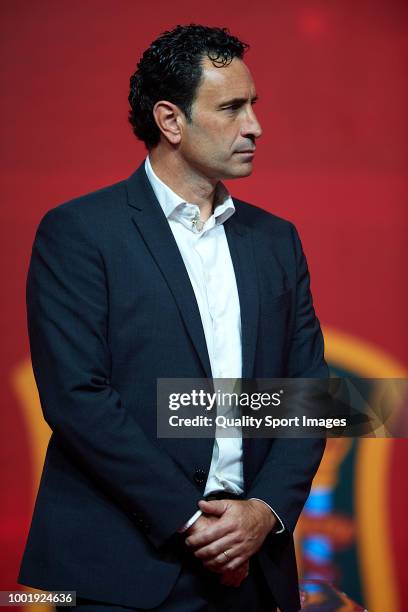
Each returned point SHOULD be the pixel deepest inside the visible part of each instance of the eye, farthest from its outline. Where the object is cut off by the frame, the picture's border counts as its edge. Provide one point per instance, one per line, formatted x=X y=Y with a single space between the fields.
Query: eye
x=232 y=107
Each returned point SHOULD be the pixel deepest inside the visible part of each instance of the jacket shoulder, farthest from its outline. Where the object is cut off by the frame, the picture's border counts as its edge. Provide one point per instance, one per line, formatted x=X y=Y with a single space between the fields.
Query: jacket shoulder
x=262 y=220
x=98 y=202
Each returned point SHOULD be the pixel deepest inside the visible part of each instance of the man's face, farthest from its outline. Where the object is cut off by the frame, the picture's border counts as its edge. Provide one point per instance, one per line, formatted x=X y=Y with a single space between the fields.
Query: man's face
x=219 y=142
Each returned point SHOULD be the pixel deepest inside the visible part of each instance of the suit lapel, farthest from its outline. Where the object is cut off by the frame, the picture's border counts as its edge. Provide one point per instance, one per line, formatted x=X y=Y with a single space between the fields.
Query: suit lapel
x=242 y=254
x=157 y=235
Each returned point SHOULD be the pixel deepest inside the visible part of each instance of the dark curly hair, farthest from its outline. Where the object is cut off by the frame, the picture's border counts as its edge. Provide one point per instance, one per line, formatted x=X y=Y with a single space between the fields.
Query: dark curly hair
x=170 y=69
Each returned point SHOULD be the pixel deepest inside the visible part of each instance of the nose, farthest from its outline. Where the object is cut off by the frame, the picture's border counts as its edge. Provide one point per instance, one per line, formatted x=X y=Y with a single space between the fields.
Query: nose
x=251 y=127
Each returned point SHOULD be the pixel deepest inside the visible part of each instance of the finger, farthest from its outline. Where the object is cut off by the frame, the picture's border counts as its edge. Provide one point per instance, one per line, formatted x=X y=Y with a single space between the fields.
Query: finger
x=219 y=562
x=212 y=550
x=236 y=577
x=234 y=564
x=231 y=567
x=216 y=507
x=208 y=535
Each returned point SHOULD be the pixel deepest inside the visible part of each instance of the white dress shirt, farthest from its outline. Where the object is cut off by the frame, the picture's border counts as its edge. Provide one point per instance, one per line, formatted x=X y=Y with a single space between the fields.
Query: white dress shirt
x=206 y=256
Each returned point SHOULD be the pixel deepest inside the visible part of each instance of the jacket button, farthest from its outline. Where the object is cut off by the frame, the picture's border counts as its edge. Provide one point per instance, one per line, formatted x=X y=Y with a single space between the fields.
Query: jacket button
x=200 y=476
x=144 y=525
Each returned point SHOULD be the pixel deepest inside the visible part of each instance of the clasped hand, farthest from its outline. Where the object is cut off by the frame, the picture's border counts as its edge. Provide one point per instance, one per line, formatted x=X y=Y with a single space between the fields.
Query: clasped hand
x=226 y=536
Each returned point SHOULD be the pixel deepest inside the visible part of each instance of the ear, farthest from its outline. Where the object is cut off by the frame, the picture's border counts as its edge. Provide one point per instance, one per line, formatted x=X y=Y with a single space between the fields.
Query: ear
x=168 y=118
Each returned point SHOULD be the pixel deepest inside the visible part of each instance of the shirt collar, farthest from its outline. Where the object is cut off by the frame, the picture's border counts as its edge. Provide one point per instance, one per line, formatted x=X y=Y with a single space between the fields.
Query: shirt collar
x=175 y=207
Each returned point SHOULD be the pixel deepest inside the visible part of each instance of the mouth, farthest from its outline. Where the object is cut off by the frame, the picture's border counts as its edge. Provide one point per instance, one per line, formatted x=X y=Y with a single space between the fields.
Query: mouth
x=249 y=152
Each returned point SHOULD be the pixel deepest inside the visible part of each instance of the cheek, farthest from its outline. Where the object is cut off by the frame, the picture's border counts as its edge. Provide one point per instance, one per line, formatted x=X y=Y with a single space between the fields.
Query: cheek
x=209 y=144
x=229 y=135
x=212 y=140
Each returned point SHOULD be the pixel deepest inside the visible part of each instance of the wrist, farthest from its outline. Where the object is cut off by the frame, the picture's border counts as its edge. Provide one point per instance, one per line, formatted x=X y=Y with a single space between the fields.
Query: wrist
x=268 y=518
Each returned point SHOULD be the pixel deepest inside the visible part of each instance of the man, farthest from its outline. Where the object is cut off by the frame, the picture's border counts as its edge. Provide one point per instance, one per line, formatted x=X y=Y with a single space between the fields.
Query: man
x=164 y=275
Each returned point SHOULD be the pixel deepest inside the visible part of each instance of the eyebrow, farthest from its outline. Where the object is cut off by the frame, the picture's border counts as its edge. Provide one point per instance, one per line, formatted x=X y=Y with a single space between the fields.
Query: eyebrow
x=237 y=101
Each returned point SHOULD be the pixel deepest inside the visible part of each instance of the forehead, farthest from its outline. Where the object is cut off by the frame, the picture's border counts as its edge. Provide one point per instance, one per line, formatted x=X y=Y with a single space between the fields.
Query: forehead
x=233 y=81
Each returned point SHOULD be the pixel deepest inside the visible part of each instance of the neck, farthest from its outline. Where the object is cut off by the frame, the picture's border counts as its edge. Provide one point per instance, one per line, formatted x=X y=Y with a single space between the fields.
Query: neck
x=184 y=180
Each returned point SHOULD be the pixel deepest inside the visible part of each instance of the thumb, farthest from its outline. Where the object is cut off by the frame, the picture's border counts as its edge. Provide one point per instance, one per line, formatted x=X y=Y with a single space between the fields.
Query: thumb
x=216 y=507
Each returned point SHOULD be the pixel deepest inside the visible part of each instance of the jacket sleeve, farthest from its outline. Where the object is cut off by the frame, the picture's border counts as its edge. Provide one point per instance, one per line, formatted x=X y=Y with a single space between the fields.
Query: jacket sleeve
x=285 y=478
x=67 y=308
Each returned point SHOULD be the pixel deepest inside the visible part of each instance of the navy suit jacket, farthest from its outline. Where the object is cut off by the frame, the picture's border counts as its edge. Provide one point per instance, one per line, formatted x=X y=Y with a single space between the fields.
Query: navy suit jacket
x=110 y=310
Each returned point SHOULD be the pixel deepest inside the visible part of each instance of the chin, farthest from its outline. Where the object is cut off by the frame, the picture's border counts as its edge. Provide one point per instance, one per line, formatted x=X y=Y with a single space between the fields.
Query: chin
x=238 y=171
x=243 y=170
